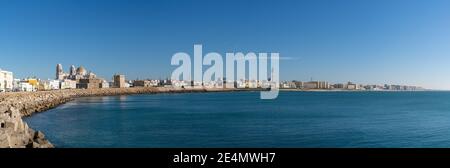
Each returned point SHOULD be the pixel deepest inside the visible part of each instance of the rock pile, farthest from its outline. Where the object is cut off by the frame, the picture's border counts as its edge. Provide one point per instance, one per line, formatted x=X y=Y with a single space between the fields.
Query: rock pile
x=14 y=133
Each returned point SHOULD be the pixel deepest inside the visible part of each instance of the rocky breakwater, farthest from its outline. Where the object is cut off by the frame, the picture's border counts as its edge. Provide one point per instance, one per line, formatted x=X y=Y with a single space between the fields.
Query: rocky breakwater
x=15 y=133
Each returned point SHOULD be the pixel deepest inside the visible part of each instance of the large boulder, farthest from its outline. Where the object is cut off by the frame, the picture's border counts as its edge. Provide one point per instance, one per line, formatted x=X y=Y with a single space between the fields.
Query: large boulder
x=14 y=133
x=39 y=135
x=39 y=141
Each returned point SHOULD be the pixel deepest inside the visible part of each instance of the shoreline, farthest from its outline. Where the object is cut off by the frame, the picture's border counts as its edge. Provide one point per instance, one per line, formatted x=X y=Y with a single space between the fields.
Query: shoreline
x=15 y=133
x=344 y=90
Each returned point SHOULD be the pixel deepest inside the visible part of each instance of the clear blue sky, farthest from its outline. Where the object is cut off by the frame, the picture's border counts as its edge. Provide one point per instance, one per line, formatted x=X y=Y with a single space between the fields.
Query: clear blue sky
x=365 y=41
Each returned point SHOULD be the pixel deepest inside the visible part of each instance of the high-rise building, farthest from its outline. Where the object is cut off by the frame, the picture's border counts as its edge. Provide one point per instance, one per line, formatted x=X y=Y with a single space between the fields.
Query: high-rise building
x=119 y=81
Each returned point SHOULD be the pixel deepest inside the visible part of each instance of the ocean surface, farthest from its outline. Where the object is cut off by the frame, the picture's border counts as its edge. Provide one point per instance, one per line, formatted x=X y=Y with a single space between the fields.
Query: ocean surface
x=241 y=119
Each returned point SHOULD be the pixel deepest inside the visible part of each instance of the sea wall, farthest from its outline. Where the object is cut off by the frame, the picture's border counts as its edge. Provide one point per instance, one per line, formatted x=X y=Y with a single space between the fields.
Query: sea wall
x=15 y=133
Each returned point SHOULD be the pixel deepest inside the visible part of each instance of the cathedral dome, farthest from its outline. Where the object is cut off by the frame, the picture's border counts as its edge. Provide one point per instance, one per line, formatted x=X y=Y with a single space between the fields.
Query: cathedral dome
x=81 y=71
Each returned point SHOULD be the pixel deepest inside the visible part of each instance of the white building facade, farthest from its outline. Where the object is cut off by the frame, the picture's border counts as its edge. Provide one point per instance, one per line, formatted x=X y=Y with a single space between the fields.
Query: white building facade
x=53 y=84
x=6 y=81
x=68 y=84
x=26 y=87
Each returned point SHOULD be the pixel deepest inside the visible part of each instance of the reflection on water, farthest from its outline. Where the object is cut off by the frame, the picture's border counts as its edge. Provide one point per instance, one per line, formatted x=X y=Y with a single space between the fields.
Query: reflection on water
x=123 y=101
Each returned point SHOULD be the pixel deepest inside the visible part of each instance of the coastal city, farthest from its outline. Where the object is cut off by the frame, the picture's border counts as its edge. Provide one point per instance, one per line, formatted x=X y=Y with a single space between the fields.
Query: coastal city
x=81 y=78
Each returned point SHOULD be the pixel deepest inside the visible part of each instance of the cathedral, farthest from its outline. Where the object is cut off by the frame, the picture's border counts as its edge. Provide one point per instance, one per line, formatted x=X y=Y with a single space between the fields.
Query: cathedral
x=84 y=79
x=74 y=74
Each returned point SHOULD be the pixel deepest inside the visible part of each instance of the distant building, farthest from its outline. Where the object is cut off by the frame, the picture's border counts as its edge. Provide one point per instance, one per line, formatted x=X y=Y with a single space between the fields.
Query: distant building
x=33 y=82
x=74 y=73
x=298 y=84
x=311 y=85
x=196 y=84
x=78 y=78
x=175 y=83
x=25 y=87
x=252 y=84
x=89 y=83
x=68 y=84
x=228 y=83
x=44 y=85
x=6 y=81
x=265 y=84
x=142 y=83
x=168 y=82
x=104 y=84
x=316 y=85
x=339 y=86
x=16 y=85
x=324 y=85
x=241 y=84
x=288 y=85
x=54 y=85
x=352 y=86
x=119 y=81
x=213 y=84
x=154 y=82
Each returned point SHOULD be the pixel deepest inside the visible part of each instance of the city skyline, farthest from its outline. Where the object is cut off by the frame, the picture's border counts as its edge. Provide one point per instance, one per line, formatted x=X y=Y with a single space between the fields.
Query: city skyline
x=81 y=78
x=363 y=42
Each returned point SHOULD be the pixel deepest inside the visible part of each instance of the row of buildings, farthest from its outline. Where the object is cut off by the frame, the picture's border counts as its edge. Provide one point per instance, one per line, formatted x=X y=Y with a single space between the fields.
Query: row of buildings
x=80 y=78
x=323 y=85
x=221 y=84
x=77 y=78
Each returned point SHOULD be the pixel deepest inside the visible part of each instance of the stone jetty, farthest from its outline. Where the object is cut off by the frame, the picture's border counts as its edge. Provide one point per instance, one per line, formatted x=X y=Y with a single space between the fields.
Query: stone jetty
x=15 y=133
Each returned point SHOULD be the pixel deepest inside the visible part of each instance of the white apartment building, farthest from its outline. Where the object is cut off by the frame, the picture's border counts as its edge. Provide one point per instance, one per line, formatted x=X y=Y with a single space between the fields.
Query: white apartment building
x=179 y=84
x=6 y=81
x=105 y=84
x=49 y=85
x=53 y=84
x=26 y=87
x=311 y=85
x=69 y=84
x=240 y=84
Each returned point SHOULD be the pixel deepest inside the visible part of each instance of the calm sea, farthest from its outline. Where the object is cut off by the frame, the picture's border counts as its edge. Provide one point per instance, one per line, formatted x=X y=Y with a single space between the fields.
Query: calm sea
x=241 y=119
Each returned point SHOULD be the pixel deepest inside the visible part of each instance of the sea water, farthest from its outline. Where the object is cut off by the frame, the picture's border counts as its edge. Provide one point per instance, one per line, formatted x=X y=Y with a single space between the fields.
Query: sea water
x=241 y=119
